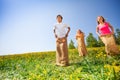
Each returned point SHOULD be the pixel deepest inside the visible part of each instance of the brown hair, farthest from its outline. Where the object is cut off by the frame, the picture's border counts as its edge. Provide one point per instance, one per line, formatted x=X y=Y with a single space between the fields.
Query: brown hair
x=59 y=16
x=80 y=31
x=102 y=18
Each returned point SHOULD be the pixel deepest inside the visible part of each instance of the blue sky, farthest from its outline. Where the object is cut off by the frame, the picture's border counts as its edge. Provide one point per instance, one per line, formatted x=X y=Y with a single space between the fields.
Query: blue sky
x=27 y=25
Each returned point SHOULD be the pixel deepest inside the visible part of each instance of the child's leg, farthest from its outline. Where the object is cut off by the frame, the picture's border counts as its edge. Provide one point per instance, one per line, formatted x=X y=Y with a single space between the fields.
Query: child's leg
x=105 y=40
x=113 y=47
x=84 y=50
x=64 y=50
x=58 y=53
x=80 y=47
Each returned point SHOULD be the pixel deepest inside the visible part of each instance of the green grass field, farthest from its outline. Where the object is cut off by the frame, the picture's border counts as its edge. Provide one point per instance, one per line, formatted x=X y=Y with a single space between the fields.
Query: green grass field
x=41 y=66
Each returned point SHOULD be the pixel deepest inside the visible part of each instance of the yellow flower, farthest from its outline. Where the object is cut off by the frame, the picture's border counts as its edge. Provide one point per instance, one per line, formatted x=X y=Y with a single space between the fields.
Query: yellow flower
x=44 y=71
x=70 y=77
x=116 y=68
x=104 y=55
x=107 y=66
x=37 y=66
x=110 y=68
x=78 y=79
x=108 y=73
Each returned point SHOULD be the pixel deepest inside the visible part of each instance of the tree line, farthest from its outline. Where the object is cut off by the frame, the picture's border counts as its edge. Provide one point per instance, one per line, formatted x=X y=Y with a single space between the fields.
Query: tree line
x=91 y=41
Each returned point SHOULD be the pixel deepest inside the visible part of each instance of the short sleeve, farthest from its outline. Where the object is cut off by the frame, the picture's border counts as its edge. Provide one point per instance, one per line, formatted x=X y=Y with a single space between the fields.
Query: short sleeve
x=54 y=26
x=66 y=25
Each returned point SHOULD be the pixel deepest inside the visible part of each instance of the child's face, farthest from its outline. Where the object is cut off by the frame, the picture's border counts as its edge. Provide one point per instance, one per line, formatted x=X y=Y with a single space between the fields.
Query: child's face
x=100 y=19
x=59 y=19
x=78 y=31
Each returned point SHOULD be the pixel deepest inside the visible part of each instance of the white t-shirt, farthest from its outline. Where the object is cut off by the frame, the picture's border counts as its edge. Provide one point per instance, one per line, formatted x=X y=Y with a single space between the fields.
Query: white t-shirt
x=60 y=29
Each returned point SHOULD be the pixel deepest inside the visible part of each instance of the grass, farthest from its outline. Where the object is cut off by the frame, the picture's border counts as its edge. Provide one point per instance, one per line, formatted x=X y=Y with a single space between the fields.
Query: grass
x=41 y=66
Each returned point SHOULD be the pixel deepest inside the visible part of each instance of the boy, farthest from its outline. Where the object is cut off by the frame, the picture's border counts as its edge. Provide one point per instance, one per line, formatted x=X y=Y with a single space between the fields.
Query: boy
x=61 y=32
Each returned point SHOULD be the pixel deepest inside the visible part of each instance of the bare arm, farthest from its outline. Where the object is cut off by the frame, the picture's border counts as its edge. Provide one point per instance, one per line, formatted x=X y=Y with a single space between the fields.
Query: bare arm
x=97 y=31
x=67 y=32
x=77 y=36
x=111 y=27
x=55 y=33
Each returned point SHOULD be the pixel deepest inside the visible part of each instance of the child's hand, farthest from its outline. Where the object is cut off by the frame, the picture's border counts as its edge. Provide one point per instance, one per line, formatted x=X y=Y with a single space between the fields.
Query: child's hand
x=112 y=32
x=55 y=36
x=66 y=35
x=100 y=35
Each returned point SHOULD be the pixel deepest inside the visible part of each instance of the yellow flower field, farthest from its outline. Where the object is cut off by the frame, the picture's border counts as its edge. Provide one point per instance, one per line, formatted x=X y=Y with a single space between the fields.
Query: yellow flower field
x=41 y=66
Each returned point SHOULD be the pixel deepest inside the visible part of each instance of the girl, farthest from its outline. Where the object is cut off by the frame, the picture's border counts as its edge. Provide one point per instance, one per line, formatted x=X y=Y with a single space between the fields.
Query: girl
x=105 y=31
x=81 y=44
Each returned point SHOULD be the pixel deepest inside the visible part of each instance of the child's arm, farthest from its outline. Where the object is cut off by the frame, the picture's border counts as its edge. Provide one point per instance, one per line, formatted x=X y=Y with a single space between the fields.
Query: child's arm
x=55 y=34
x=97 y=31
x=67 y=32
x=111 y=27
x=76 y=37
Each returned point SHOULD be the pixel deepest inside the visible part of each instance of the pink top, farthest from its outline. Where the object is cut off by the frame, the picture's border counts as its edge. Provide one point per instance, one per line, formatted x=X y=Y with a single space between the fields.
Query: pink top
x=104 y=29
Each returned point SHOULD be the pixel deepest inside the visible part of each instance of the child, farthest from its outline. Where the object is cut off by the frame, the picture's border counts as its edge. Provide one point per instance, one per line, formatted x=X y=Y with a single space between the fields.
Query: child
x=106 y=33
x=81 y=44
x=61 y=32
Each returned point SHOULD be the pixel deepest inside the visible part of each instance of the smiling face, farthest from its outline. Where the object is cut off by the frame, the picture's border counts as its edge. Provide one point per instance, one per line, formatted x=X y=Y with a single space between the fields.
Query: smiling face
x=79 y=31
x=59 y=18
x=100 y=19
